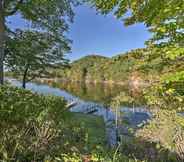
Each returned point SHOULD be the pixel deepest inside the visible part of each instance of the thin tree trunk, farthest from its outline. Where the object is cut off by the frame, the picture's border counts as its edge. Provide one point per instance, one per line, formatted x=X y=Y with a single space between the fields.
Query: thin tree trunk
x=2 y=42
x=24 y=80
x=24 y=83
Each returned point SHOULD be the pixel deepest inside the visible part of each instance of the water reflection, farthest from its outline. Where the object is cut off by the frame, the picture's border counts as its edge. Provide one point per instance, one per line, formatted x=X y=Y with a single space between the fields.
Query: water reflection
x=99 y=92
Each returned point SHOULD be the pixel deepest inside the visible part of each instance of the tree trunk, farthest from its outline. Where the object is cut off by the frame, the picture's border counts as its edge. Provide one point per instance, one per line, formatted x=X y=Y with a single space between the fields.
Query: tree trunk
x=24 y=83
x=2 y=42
x=24 y=80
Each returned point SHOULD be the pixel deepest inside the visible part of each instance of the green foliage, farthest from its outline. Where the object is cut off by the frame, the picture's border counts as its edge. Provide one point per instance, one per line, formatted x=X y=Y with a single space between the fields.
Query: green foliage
x=34 y=127
x=117 y=69
x=48 y=15
x=166 y=94
x=39 y=128
x=27 y=106
x=52 y=17
x=165 y=18
x=95 y=130
x=30 y=54
x=166 y=129
x=30 y=124
x=86 y=69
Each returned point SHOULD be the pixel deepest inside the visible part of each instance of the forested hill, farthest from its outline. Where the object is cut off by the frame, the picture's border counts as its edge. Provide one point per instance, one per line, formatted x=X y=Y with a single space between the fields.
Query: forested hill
x=90 y=60
x=120 y=68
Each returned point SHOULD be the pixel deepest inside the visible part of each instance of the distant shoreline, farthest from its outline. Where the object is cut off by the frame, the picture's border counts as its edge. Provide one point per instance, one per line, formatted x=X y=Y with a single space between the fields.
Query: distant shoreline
x=109 y=82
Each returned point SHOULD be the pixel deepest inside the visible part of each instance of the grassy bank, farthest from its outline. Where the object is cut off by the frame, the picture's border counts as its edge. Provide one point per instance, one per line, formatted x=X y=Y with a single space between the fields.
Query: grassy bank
x=94 y=126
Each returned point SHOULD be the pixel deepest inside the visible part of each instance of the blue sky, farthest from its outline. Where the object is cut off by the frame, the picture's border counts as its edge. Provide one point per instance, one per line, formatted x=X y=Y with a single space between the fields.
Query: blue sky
x=93 y=33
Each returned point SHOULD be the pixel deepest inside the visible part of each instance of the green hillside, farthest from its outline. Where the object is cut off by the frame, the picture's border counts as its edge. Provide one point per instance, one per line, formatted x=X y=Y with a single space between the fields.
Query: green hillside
x=94 y=68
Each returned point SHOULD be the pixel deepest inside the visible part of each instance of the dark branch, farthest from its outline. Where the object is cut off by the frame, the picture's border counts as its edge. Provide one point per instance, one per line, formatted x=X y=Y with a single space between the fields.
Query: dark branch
x=36 y=75
x=15 y=8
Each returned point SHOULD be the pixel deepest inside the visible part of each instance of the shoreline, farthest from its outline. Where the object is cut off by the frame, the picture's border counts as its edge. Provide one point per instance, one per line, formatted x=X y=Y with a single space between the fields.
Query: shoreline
x=110 y=82
x=130 y=83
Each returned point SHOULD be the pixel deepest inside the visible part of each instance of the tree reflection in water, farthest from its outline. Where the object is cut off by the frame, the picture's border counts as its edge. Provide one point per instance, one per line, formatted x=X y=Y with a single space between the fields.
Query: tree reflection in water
x=97 y=92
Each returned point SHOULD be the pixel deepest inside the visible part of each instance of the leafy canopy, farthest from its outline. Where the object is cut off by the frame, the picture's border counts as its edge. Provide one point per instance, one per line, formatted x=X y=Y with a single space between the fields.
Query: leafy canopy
x=165 y=18
x=32 y=53
x=44 y=15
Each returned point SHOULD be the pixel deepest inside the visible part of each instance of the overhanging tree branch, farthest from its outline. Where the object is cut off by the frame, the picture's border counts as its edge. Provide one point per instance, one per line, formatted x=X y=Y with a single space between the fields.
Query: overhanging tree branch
x=15 y=9
x=36 y=75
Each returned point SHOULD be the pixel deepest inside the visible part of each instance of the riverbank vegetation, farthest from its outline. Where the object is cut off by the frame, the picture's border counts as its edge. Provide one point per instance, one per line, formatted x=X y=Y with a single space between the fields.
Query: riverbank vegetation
x=40 y=128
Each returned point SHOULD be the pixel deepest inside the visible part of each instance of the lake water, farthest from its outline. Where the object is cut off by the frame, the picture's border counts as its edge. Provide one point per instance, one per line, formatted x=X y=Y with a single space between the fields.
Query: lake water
x=96 y=99
x=99 y=92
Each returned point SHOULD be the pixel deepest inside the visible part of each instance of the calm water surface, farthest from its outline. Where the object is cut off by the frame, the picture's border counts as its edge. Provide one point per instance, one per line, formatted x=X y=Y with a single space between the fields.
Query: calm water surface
x=99 y=92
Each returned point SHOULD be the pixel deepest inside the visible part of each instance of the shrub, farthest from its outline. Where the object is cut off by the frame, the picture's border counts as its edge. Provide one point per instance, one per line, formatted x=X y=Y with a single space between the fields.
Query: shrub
x=31 y=125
